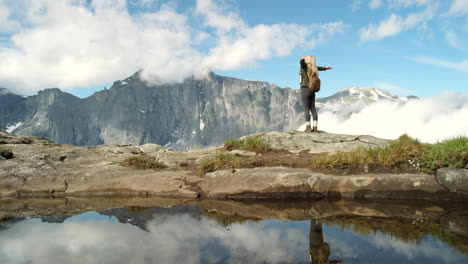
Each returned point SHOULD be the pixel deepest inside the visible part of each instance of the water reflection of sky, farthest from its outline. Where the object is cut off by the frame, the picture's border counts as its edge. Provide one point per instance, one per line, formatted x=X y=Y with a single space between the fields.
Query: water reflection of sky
x=181 y=238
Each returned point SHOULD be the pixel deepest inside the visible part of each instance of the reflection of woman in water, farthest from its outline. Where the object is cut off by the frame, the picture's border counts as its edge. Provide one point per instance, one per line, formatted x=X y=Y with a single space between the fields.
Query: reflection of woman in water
x=318 y=248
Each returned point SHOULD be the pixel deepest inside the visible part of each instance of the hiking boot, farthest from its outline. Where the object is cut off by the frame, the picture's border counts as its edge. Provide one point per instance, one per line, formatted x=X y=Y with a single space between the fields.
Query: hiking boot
x=307 y=129
x=314 y=129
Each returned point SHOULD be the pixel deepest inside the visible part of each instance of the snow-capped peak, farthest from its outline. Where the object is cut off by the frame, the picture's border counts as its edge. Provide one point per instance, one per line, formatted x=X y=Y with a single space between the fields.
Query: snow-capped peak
x=369 y=93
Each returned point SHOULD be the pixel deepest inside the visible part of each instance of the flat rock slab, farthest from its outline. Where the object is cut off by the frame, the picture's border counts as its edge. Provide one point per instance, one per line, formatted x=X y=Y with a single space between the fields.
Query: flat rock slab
x=282 y=182
x=42 y=168
x=321 y=142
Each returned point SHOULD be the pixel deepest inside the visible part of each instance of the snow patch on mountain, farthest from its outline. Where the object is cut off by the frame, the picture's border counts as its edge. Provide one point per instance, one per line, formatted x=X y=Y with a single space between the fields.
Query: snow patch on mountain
x=11 y=128
x=202 y=125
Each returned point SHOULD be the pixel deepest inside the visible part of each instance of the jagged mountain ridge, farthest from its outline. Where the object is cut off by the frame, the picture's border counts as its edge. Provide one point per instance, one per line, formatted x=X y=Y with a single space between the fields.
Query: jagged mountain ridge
x=193 y=113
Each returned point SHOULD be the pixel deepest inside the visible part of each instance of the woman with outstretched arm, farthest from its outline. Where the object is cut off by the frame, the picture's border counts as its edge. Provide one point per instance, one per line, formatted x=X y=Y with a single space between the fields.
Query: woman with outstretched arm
x=310 y=84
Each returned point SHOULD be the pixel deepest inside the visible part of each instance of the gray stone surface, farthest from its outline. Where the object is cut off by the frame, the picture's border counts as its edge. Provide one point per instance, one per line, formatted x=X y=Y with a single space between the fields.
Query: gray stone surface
x=44 y=168
x=456 y=180
x=296 y=141
x=279 y=182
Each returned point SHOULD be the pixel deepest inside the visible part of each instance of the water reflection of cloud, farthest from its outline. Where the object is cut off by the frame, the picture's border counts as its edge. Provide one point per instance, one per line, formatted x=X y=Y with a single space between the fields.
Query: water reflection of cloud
x=178 y=239
x=427 y=247
x=182 y=238
x=240 y=243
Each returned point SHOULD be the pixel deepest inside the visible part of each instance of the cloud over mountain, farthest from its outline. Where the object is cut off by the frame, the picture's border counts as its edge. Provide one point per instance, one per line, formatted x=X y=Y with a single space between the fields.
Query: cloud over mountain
x=73 y=43
x=431 y=119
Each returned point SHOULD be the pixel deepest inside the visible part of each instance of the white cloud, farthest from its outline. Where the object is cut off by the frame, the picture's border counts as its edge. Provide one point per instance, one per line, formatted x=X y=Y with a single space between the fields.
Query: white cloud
x=373 y=4
x=262 y=42
x=459 y=8
x=408 y=3
x=219 y=17
x=454 y=40
x=432 y=119
x=7 y=25
x=394 y=25
x=356 y=5
x=70 y=43
x=145 y=3
x=459 y=66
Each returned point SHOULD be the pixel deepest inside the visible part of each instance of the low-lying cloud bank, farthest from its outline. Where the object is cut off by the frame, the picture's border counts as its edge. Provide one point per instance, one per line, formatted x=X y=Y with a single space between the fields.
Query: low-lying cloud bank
x=432 y=119
x=80 y=43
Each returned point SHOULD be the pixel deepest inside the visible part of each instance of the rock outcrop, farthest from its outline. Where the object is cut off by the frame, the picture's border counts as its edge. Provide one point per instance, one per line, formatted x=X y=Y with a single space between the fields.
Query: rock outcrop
x=40 y=167
x=281 y=182
x=43 y=168
x=295 y=141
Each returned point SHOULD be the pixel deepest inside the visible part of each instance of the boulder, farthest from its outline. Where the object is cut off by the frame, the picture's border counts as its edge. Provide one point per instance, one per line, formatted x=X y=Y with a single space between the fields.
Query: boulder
x=282 y=182
x=296 y=141
x=456 y=180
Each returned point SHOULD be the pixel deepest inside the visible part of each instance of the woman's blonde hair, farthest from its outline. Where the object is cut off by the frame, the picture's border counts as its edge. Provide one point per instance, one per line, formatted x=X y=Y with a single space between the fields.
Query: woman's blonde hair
x=311 y=66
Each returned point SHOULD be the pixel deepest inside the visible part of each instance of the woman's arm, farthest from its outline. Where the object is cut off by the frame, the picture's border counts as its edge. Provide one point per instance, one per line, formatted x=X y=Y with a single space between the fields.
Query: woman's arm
x=320 y=68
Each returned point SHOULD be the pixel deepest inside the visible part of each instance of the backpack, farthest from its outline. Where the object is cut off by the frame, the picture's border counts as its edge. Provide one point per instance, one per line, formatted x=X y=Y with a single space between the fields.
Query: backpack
x=314 y=83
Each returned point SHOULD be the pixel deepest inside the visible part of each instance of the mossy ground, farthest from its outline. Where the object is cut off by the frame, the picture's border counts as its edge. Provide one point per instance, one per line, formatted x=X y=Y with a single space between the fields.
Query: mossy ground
x=6 y=153
x=143 y=163
x=251 y=144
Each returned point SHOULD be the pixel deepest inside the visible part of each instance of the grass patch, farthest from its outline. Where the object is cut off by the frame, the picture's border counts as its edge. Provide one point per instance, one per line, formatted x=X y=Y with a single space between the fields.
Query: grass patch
x=143 y=163
x=6 y=153
x=427 y=157
x=254 y=143
x=226 y=161
x=448 y=153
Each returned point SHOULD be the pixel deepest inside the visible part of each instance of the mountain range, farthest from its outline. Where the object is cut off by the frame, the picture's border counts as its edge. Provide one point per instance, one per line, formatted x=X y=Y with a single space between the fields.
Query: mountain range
x=194 y=113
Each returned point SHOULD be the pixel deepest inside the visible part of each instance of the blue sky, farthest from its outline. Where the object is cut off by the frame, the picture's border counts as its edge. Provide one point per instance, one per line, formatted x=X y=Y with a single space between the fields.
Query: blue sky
x=407 y=47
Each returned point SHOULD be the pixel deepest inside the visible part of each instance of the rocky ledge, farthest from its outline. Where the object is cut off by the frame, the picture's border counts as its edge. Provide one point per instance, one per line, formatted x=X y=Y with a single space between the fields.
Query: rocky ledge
x=35 y=166
x=295 y=141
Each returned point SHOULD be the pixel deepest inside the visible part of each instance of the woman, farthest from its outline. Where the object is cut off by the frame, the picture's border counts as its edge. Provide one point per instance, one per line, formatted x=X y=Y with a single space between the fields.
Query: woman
x=309 y=71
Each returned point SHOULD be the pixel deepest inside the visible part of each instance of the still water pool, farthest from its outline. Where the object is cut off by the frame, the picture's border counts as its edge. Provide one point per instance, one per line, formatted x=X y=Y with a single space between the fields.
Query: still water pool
x=233 y=232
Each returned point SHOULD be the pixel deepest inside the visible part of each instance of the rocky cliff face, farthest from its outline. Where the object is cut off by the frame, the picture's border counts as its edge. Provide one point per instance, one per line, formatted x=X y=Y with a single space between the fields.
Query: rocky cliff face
x=194 y=113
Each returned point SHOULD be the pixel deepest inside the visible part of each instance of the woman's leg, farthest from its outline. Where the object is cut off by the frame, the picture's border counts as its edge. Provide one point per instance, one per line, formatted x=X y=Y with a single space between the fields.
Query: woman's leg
x=305 y=96
x=312 y=106
x=314 y=112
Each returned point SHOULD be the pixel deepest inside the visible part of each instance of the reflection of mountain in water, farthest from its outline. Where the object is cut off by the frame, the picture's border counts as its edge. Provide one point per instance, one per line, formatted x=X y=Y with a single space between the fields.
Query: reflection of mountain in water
x=55 y=218
x=140 y=216
x=7 y=222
